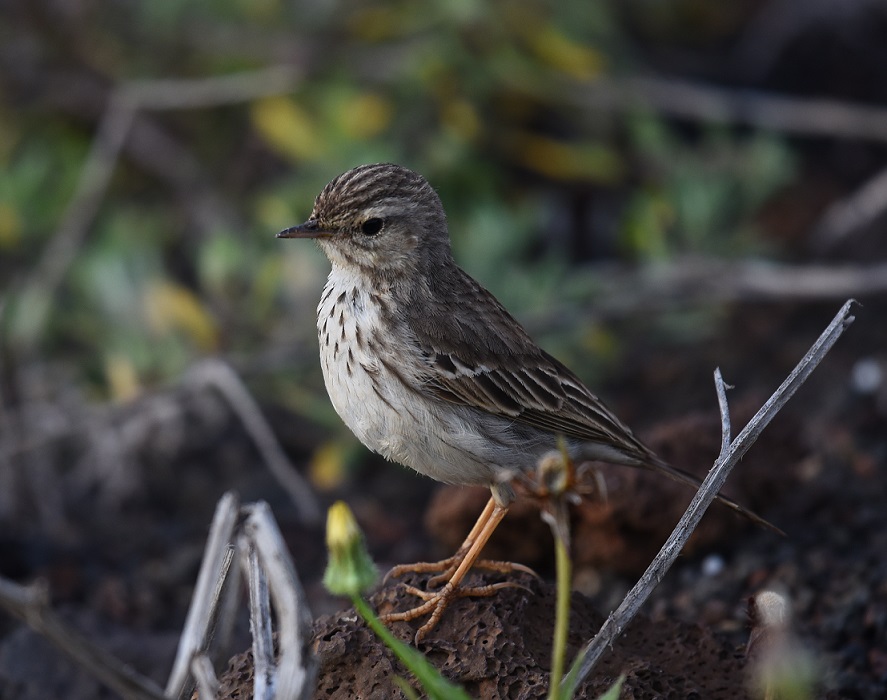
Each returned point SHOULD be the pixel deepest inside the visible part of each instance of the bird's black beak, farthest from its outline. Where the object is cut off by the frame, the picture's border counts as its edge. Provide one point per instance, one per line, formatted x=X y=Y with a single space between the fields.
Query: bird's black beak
x=310 y=229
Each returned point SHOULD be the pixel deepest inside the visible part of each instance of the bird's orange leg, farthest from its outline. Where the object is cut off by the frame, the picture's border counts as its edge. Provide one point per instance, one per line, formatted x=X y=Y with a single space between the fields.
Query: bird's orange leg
x=437 y=601
x=448 y=566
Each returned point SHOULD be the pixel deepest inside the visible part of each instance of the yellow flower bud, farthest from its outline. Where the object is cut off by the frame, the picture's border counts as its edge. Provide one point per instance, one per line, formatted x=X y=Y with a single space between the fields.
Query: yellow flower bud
x=350 y=570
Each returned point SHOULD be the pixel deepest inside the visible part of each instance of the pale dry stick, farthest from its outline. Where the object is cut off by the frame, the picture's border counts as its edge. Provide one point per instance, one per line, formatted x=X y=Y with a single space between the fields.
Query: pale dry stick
x=220 y=375
x=620 y=618
x=213 y=569
x=215 y=91
x=208 y=622
x=724 y=409
x=31 y=604
x=266 y=551
x=61 y=250
x=296 y=667
x=706 y=279
x=706 y=103
x=230 y=600
x=205 y=675
x=114 y=128
x=851 y=214
x=115 y=432
x=260 y=623
x=698 y=281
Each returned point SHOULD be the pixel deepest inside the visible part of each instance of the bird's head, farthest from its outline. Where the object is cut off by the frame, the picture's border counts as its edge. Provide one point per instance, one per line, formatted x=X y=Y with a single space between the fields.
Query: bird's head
x=381 y=218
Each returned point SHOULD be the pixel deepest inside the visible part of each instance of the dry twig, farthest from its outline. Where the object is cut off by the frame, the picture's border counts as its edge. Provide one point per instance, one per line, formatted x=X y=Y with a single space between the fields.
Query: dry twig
x=204 y=604
x=731 y=453
x=706 y=103
x=270 y=568
x=220 y=375
x=109 y=437
x=31 y=604
x=205 y=676
x=296 y=667
x=260 y=622
x=116 y=124
x=620 y=290
x=851 y=214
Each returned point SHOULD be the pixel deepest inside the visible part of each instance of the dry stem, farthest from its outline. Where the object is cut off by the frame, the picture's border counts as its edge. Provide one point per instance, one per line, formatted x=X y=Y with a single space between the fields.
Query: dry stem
x=731 y=453
x=31 y=604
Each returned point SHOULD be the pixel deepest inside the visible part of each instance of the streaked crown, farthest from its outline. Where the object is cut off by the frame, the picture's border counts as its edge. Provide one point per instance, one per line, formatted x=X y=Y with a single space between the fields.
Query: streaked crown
x=378 y=186
x=382 y=216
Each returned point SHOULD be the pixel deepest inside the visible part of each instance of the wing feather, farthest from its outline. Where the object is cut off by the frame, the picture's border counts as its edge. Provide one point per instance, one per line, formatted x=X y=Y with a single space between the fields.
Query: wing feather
x=497 y=368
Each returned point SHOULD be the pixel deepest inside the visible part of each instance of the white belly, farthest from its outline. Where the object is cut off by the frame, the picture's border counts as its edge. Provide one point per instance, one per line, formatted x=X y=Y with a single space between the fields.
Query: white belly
x=386 y=416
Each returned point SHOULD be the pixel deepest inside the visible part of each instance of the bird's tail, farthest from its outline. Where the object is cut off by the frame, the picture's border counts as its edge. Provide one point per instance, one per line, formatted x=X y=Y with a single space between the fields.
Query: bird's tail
x=683 y=477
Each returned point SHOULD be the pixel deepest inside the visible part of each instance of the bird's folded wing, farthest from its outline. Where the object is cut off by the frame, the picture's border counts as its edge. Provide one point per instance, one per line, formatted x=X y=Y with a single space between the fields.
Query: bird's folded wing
x=537 y=391
x=496 y=367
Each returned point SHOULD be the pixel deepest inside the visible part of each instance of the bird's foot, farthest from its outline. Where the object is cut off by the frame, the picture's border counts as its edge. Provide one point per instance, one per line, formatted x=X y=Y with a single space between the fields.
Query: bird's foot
x=436 y=602
x=453 y=570
x=447 y=567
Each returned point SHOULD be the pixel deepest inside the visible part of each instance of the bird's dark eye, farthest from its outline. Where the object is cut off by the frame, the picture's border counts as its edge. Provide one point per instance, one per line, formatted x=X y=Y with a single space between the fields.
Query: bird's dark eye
x=371 y=227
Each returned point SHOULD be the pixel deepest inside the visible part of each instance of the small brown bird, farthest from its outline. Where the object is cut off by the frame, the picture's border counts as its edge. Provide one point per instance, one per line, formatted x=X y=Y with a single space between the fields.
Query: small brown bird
x=427 y=368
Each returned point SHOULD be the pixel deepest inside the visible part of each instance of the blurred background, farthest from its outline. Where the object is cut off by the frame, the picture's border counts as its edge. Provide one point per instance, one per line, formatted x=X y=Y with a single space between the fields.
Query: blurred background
x=653 y=187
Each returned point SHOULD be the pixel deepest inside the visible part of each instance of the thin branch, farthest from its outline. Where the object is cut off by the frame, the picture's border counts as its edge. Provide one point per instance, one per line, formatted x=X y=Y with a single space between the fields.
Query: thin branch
x=202 y=670
x=296 y=666
x=260 y=623
x=114 y=128
x=706 y=103
x=228 y=605
x=220 y=375
x=269 y=568
x=760 y=279
x=214 y=91
x=621 y=289
x=31 y=604
x=213 y=569
x=851 y=214
x=729 y=457
x=724 y=409
x=39 y=288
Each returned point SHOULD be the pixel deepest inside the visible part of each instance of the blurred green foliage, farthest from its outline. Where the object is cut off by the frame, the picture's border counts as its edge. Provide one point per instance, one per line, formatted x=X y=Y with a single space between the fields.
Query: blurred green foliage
x=180 y=260
x=701 y=199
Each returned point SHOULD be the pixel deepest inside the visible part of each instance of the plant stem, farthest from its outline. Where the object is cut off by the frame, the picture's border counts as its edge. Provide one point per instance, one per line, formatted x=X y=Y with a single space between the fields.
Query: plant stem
x=562 y=615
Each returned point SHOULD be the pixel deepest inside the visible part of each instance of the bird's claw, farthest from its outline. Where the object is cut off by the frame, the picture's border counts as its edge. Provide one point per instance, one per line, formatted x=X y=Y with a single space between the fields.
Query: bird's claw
x=436 y=602
x=447 y=567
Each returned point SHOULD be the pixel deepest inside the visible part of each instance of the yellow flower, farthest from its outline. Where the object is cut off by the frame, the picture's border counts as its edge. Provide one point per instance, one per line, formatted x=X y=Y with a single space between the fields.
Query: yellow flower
x=350 y=570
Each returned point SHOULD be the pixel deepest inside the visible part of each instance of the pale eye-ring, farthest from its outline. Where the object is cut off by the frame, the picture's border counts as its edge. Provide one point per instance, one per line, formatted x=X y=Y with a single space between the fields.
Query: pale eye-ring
x=371 y=227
